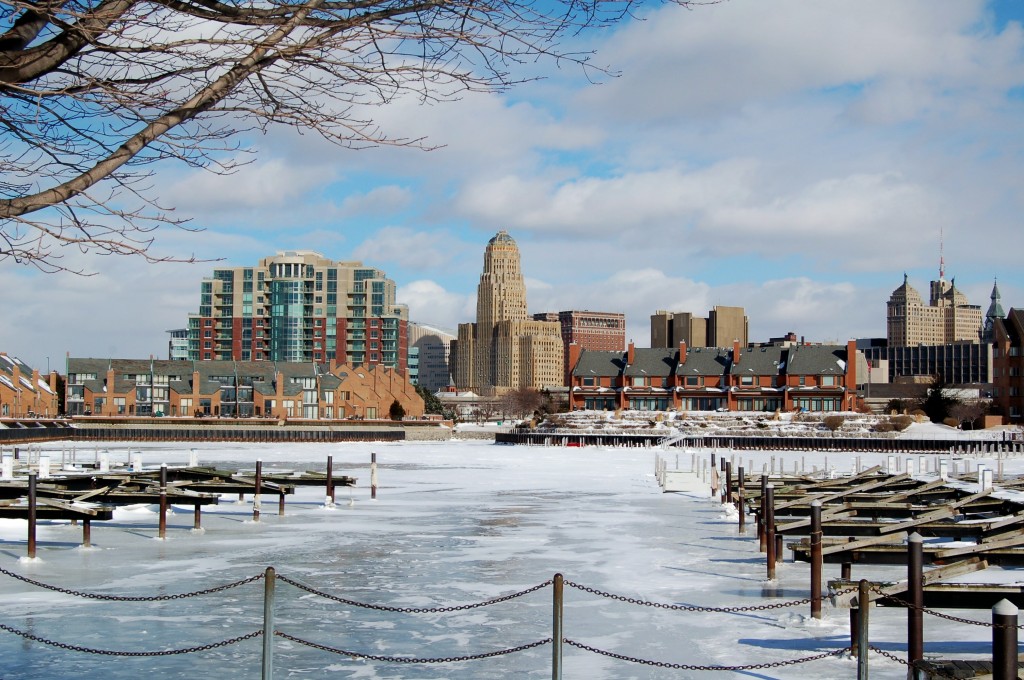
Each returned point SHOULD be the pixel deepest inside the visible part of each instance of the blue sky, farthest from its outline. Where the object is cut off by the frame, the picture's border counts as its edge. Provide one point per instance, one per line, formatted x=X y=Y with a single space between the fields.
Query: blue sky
x=789 y=157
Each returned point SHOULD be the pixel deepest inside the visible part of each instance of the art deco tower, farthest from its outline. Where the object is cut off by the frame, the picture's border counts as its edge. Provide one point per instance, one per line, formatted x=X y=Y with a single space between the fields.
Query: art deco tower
x=504 y=349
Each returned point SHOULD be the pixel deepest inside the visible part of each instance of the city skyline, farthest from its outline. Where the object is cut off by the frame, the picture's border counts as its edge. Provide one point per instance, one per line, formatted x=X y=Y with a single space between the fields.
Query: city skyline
x=750 y=154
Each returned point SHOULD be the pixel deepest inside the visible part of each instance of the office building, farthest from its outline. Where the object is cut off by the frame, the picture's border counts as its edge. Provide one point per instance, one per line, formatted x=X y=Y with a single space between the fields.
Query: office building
x=505 y=349
x=299 y=306
x=1008 y=366
x=946 y=319
x=433 y=349
x=721 y=327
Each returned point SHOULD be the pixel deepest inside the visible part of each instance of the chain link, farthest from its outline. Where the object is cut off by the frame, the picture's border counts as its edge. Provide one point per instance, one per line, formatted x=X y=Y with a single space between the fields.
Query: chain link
x=131 y=598
x=413 y=610
x=694 y=667
x=948 y=617
x=111 y=652
x=410 y=660
x=932 y=672
x=687 y=607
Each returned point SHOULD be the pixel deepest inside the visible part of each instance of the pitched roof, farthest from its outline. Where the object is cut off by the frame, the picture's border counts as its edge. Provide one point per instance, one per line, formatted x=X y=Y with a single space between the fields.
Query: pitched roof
x=759 y=361
x=705 y=361
x=816 y=360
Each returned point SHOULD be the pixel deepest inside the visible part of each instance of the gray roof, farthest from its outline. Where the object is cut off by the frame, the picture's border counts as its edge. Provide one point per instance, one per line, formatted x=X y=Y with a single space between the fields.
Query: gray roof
x=817 y=360
x=599 y=364
x=705 y=361
x=759 y=361
x=652 y=361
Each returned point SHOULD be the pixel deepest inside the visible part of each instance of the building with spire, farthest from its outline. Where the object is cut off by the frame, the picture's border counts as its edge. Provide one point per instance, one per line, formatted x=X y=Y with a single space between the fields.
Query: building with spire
x=505 y=349
x=995 y=311
x=947 y=318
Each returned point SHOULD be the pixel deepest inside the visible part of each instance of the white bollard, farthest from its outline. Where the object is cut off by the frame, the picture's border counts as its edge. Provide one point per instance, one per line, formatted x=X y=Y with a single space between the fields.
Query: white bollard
x=910 y=466
x=982 y=469
x=193 y=458
x=890 y=465
x=104 y=462
x=986 y=479
x=944 y=470
x=136 y=462
x=7 y=468
x=44 y=467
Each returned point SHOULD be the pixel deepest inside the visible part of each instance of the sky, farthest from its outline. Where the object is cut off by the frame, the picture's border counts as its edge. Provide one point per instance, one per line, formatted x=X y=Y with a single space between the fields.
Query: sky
x=792 y=158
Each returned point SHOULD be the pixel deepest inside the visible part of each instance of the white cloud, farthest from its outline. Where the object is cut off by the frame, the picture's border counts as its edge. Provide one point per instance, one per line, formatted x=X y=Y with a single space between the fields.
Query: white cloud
x=413 y=250
x=429 y=303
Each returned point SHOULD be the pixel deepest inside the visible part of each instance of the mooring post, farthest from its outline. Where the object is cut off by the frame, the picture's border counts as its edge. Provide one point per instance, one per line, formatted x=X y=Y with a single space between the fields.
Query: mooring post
x=1004 y=641
x=31 y=514
x=915 y=597
x=741 y=507
x=780 y=555
x=769 y=529
x=163 y=500
x=740 y=484
x=280 y=502
x=762 y=538
x=728 y=483
x=816 y=559
x=373 y=475
x=556 y=626
x=197 y=522
x=269 y=577
x=256 y=491
x=330 y=478
x=863 y=643
x=846 y=571
x=86 y=533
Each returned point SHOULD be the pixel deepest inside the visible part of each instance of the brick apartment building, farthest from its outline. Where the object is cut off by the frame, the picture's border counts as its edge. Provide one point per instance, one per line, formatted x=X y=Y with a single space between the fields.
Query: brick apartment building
x=23 y=391
x=129 y=387
x=816 y=378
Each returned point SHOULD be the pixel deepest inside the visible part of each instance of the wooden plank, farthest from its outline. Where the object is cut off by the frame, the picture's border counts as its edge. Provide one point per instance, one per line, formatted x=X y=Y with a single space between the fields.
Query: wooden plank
x=860 y=488
x=921 y=519
x=863 y=543
x=826 y=515
x=94 y=492
x=932 y=576
x=921 y=489
x=979 y=548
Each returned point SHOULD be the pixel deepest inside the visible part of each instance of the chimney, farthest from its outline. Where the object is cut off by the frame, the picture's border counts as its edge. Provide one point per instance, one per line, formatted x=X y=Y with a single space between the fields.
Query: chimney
x=851 y=365
x=735 y=351
x=630 y=354
x=682 y=351
x=574 y=355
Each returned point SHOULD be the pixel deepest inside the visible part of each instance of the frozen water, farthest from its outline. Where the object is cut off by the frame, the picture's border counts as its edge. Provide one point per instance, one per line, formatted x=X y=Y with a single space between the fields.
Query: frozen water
x=454 y=523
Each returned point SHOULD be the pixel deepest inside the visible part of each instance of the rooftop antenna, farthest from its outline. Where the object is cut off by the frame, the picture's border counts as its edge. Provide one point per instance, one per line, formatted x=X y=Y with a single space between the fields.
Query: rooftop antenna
x=942 y=261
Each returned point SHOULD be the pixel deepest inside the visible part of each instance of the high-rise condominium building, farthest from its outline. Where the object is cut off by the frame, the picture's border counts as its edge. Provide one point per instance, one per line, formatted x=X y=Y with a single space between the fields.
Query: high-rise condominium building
x=722 y=327
x=432 y=347
x=947 y=318
x=300 y=306
x=597 y=331
x=504 y=349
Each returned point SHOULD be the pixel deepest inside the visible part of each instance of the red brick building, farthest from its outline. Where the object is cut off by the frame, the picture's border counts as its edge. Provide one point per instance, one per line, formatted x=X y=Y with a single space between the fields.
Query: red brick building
x=1008 y=366
x=597 y=331
x=810 y=377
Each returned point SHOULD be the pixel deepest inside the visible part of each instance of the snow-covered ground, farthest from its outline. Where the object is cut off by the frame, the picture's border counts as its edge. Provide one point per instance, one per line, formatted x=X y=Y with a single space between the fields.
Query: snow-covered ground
x=454 y=523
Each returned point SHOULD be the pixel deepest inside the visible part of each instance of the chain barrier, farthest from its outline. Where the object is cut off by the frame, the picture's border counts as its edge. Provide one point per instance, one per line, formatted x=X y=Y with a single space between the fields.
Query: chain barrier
x=411 y=660
x=696 y=667
x=130 y=598
x=932 y=672
x=413 y=610
x=948 y=617
x=111 y=652
x=687 y=607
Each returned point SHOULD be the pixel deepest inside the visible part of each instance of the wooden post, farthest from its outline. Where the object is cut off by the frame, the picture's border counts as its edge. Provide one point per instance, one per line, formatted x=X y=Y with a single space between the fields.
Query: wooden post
x=1004 y=641
x=846 y=570
x=769 y=529
x=728 y=483
x=197 y=522
x=269 y=581
x=915 y=596
x=816 y=559
x=163 y=500
x=742 y=508
x=863 y=644
x=280 y=503
x=373 y=475
x=330 y=478
x=31 y=514
x=780 y=554
x=256 y=491
x=86 y=533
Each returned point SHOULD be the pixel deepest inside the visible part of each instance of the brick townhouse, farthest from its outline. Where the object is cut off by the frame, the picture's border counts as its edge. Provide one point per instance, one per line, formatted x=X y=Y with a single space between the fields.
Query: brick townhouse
x=755 y=378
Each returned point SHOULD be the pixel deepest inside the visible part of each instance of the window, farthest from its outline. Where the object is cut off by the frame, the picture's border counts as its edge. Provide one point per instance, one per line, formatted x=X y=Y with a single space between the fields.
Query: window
x=746 y=380
x=588 y=382
x=828 y=380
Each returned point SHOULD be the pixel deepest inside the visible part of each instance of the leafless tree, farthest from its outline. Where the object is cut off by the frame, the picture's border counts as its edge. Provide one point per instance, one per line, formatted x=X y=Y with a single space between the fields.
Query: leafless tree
x=95 y=92
x=521 y=402
x=967 y=411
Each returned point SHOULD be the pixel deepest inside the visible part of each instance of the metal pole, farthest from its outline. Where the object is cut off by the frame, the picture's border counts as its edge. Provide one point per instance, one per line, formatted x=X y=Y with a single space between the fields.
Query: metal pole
x=86 y=533
x=197 y=515
x=31 y=515
x=915 y=596
x=163 y=500
x=728 y=483
x=269 y=579
x=556 y=627
x=769 y=529
x=864 y=606
x=1004 y=641
x=256 y=491
x=741 y=507
x=761 y=537
x=816 y=559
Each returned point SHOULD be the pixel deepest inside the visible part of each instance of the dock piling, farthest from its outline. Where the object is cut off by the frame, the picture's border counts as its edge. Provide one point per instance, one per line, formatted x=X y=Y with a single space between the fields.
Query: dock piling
x=373 y=475
x=915 y=597
x=556 y=626
x=31 y=514
x=1004 y=641
x=256 y=491
x=163 y=500
x=769 y=530
x=816 y=559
